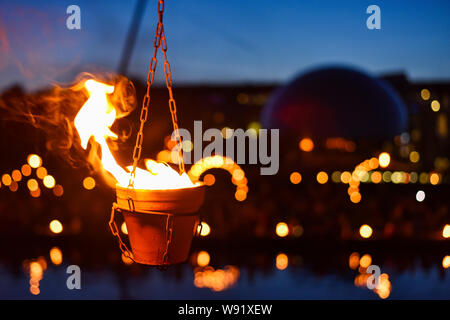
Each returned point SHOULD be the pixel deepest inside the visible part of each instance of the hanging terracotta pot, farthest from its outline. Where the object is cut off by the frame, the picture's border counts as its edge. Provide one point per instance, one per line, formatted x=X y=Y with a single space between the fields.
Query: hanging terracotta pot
x=160 y=223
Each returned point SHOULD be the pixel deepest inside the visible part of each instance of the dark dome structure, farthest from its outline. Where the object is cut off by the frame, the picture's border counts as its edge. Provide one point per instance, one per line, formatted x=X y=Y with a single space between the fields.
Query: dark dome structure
x=336 y=102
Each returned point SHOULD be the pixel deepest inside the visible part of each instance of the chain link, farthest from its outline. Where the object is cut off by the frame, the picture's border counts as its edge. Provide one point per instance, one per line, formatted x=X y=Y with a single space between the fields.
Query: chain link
x=169 y=231
x=172 y=104
x=160 y=41
x=115 y=231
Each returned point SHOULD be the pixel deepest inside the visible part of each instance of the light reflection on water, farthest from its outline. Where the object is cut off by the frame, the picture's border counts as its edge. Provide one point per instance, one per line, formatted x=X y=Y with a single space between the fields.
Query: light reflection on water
x=290 y=277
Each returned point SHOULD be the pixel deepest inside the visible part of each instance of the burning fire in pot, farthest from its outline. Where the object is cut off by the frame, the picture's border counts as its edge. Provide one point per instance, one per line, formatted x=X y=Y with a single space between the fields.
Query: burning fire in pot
x=160 y=208
x=95 y=119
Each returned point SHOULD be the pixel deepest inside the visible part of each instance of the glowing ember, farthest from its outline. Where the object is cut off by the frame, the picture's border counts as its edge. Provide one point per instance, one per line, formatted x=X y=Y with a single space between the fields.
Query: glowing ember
x=95 y=119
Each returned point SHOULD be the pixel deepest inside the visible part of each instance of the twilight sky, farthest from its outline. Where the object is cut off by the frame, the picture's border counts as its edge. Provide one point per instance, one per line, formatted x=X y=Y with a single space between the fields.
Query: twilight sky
x=224 y=41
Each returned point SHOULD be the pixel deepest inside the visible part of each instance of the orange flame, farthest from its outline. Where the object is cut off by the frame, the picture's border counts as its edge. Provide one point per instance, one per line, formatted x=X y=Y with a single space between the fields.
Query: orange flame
x=95 y=119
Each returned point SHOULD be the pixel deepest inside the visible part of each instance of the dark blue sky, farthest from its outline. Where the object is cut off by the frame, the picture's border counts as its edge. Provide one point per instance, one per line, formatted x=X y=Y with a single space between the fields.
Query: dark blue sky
x=225 y=41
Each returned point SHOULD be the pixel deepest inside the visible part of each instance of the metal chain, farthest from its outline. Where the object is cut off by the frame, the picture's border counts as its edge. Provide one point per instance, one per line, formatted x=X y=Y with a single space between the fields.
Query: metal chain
x=160 y=39
x=169 y=231
x=115 y=231
x=172 y=104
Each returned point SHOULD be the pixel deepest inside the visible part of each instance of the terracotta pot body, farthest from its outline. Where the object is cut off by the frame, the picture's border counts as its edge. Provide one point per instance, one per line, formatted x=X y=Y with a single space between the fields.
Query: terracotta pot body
x=155 y=213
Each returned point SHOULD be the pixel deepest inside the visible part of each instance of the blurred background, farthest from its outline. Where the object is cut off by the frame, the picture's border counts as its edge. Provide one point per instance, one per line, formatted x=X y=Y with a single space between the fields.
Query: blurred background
x=364 y=148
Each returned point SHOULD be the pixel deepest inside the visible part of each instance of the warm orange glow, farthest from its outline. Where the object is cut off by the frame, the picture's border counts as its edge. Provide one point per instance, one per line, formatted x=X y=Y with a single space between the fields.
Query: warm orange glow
x=295 y=177
x=384 y=159
x=365 y=261
x=56 y=226
x=49 y=182
x=205 y=229
x=446 y=231
x=164 y=156
x=95 y=118
x=41 y=172
x=414 y=157
x=14 y=186
x=355 y=197
x=218 y=161
x=353 y=261
x=26 y=170
x=123 y=228
x=376 y=177
x=203 y=259
x=282 y=261
x=434 y=178
x=35 y=193
x=89 y=183
x=373 y=163
x=209 y=179
x=35 y=290
x=6 y=179
x=322 y=177
x=446 y=262
x=58 y=190
x=36 y=270
x=56 y=256
x=306 y=144
x=216 y=280
x=384 y=286
x=346 y=176
x=365 y=231
x=34 y=161
x=238 y=174
x=282 y=229
x=126 y=260
x=16 y=175
x=435 y=105
x=240 y=195
x=425 y=94
x=32 y=184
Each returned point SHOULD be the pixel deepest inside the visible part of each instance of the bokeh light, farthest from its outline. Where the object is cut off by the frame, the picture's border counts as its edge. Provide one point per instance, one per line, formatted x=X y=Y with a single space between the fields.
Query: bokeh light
x=6 y=179
x=16 y=175
x=32 y=185
x=414 y=157
x=420 y=195
x=41 y=172
x=365 y=231
x=49 y=181
x=425 y=94
x=34 y=161
x=435 y=105
x=203 y=259
x=282 y=229
x=306 y=144
x=384 y=159
x=205 y=229
x=26 y=170
x=58 y=190
x=281 y=261
x=446 y=262
x=446 y=231
x=295 y=177
x=89 y=183
x=123 y=228
x=322 y=177
x=56 y=256
x=56 y=226
x=209 y=179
